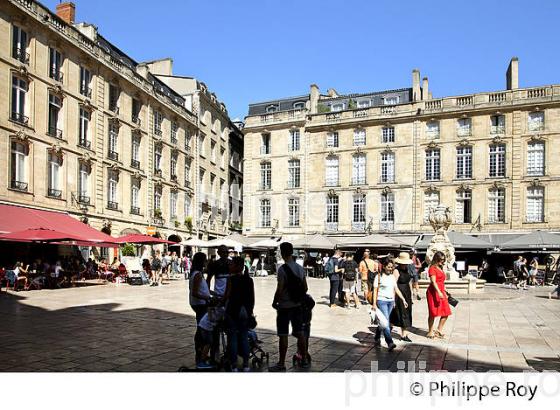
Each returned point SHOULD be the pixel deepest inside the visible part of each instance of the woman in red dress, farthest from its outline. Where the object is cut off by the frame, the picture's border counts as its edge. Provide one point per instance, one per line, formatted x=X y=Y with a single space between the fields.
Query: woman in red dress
x=438 y=306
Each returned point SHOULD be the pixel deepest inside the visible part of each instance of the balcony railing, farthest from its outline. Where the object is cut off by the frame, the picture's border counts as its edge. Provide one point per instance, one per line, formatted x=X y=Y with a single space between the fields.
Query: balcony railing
x=158 y=132
x=536 y=93
x=293 y=185
x=265 y=150
x=387 y=225
x=497 y=129
x=331 y=226
x=85 y=144
x=174 y=177
x=114 y=108
x=462 y=101
x=464 y=132
x=359 y=181
x=359 y=226
x=56 y=75
x=158 y=172
x=136 y=120
x=113 y=155
x=535 y=126
x=54 y=193
x=187 y=183
x=134 y=210
x=55 y=132
x=19 y=118
x=19 y=185
x=84 y=199
x=112 y=205
x=22 y=56
x=433 y=105
x=135 y=164
x=158 y=221
x=86 y=91
x=174 y=139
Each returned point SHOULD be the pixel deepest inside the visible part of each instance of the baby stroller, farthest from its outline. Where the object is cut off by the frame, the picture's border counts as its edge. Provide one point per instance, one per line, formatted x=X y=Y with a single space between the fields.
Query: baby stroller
x=257 y=355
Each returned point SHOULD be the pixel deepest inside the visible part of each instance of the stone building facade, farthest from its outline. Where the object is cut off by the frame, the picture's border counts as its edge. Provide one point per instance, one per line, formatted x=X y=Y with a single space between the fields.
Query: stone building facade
x=377 y=162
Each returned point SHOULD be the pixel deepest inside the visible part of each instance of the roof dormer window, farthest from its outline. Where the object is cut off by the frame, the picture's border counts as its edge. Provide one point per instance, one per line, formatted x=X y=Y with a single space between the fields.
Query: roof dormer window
x=299 y=105
x=271 y=108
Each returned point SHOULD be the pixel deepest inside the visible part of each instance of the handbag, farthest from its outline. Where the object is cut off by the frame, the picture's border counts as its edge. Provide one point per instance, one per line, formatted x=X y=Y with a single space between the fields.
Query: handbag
x=370 y=297
x=452 y=301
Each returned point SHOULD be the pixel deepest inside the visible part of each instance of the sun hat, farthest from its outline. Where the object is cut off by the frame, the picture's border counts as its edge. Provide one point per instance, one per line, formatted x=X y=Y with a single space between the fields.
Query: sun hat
x=403 y=259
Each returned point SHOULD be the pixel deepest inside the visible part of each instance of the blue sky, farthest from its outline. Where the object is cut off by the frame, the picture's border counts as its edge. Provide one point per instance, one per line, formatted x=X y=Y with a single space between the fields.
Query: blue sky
x=250 y=51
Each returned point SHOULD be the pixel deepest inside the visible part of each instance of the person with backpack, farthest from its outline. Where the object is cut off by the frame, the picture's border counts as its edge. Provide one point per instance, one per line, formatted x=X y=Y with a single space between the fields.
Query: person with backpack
x=334 y=277
x=288 y=302
x=349 y=269
x=368 y=269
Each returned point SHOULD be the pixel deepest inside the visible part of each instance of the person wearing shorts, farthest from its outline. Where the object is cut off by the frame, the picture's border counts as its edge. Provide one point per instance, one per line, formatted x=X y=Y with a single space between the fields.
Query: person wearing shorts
x=349 y=280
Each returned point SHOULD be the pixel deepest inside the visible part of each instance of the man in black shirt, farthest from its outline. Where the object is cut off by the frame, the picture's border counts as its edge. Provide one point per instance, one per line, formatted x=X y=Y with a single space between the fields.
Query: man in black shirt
x=349 y=269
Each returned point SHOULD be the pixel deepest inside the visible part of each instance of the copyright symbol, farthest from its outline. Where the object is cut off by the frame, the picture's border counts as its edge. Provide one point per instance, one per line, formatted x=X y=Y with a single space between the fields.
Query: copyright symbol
x=416 y=389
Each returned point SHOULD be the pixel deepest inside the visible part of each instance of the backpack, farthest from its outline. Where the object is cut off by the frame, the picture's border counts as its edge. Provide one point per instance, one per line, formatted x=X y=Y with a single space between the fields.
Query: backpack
x=156 y=264
x=329 y=267
x=294 y=285
x=349 y=275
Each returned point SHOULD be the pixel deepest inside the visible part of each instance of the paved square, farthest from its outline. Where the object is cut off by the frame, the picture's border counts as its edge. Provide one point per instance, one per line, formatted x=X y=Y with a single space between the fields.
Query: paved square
x=126 y=328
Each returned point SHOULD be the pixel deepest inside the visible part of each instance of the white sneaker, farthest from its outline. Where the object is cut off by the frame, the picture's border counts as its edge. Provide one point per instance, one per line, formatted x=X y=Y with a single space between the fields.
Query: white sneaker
x=246 y=369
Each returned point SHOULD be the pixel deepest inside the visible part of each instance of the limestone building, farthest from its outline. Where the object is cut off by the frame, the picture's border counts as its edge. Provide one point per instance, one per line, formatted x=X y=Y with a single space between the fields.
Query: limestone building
x=377 y=162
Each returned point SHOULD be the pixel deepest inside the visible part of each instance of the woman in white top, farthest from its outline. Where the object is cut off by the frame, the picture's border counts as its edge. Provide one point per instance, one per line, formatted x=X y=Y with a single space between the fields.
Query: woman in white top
x=20 y=274
x=384 y=290
x=199 y=296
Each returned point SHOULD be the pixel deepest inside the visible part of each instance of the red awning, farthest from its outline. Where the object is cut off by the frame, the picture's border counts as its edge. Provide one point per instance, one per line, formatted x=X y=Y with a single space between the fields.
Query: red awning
x=142 y=239
x=17 y=218
x=38 y=235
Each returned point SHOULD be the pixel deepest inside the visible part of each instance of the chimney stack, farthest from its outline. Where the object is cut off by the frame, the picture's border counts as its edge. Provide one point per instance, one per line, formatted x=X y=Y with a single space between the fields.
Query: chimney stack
x=425 y=90
x=512 y=74
x=416 y=95
x=314 y=94
x=66 y=11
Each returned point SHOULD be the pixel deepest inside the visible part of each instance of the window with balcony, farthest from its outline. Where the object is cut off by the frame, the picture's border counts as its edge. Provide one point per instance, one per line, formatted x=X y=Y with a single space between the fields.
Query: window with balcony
x=497 y=124
x=359 y=169
x=463 y=207
x=535 y=158
x=294 y=144
x=114 y=94
x=497 y=163
x=432 y=129
x=135 y=197
x=464 y=127
x=388 y=167
x=535 y=204
x=294 y=173
x=83 y=183
x=332 y=140
x=85 y=82
x=136 y=110
x=18 y=168
x=135 y=152
x=358 y=212
x=388 y=135
x=433 y=165
x=464 y=162
x=55 y=64
x=112 y=186
x=20 y=43
x=293 y=212
x=54 y=175
x=359 y=137
x=431 y=201
x=535 y=121
x=265 y=213
x=113 y=142
x=158 y=154
x=364 y=103
x=387 y=210
x=332 y=213
x=173 y=197
x=496 y=205
x=174 y=132
x=331 y=171
x=265 y=144
x=19 y=98
x=55 y=122
x=266 y=175
x=158 y=123
x=85 y=119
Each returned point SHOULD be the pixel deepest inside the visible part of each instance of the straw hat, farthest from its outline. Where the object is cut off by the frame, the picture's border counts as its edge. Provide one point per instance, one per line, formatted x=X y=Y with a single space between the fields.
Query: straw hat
x=403 y=259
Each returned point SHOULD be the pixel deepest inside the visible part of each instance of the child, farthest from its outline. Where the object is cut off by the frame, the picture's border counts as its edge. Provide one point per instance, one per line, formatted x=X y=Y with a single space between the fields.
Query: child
x=204 y=332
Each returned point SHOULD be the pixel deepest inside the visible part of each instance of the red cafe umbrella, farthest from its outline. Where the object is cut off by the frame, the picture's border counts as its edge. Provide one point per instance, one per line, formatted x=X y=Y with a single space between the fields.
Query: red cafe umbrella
x=142 y=239
x=39 y=235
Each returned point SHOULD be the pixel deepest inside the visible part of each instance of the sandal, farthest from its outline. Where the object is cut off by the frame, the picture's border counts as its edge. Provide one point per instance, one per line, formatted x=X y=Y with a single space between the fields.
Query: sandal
x=439 y=334
x=431 y=335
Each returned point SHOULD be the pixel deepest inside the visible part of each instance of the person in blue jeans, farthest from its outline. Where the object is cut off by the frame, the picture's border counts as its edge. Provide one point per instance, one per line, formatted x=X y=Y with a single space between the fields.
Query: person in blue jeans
x=384 y=291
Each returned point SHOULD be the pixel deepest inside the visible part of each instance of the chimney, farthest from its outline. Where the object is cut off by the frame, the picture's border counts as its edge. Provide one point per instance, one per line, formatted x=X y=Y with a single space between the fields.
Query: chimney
x=313 y=98
x=66 y=11
x=512 y=74
x=416 y=95
x=425 y=90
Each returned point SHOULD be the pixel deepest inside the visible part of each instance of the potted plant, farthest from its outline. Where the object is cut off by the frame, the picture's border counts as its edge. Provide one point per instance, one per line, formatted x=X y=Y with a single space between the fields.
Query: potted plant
x=189 y=224
x=157 y=213
x=177 y=224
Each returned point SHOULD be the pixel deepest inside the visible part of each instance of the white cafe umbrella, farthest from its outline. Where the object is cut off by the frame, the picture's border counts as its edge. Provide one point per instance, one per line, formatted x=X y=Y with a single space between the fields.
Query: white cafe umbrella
x=266 y=243
x=230 y=243
x=199 y=243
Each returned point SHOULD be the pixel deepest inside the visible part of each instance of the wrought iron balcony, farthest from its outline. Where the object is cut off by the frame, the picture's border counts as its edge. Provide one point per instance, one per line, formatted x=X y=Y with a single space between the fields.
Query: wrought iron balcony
x=19 y=118
x=113 y=155
x=86 y=91
x=84 y=199
x=134 y=210
x=114 y=108
x=54 y=193
x=112 y=205
x=174 y=177
x=331 y=226
x=187 y=183
x=56 y=75
x=55 y=132
x=85 y=144
x=387 y=225
x=174 y=139
x=19 y=185
x=158 y=132
x=158 y=172
x=22 y=56
x=136 y=120
x=497 y=129
x=135 y=164
x=359 y=226
x=464 y=132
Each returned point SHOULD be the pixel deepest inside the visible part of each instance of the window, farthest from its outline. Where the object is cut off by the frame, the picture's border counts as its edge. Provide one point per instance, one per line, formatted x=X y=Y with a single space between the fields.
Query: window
x=536 y=121
x=431 y=201
x=187 y=140
x=433 y=171
x=157 y=158
x=497 y=160
x=19 y=166
x=158 y=122
x=392 y=100
x=222 y=158
x=55 y=105
x=265 y=144
x=388 y=135
x=188 y=205
x=294 y=144
x=337 y=107
x=19 y=93
x=464 y=127
x=332 y=140
x=463 y=207
x=85 y=81
x=174 y=131
x=388 y=167
x=496 y=205
x=85 y=118
x=112 y=190
x=157 y=198
x=271 y=108
x=135 y=197
x=497 y=124
x=359 y=169
x=265 y=213
x=359 y=211
x=136 y=109
x=266 y=175
x=535 y=204
x=55 y=162
x=464 y=162
x=135 y=155
x=173 y=166
x=202 y=145
x=83 y=182
x=293 y=212
x=294 y=173
x=300 y=105
x=173 y=204
x=114 y=93
x=331 y=171
x=213 y=151
x=387 y=210
x=201 y=175
x=19 y=45
x=332 y=212
x=187 y=172
x=55 y=64
x=113 y=141
x=364 y=103
x=359 y=137
x=432 y=129
x=535 y=158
